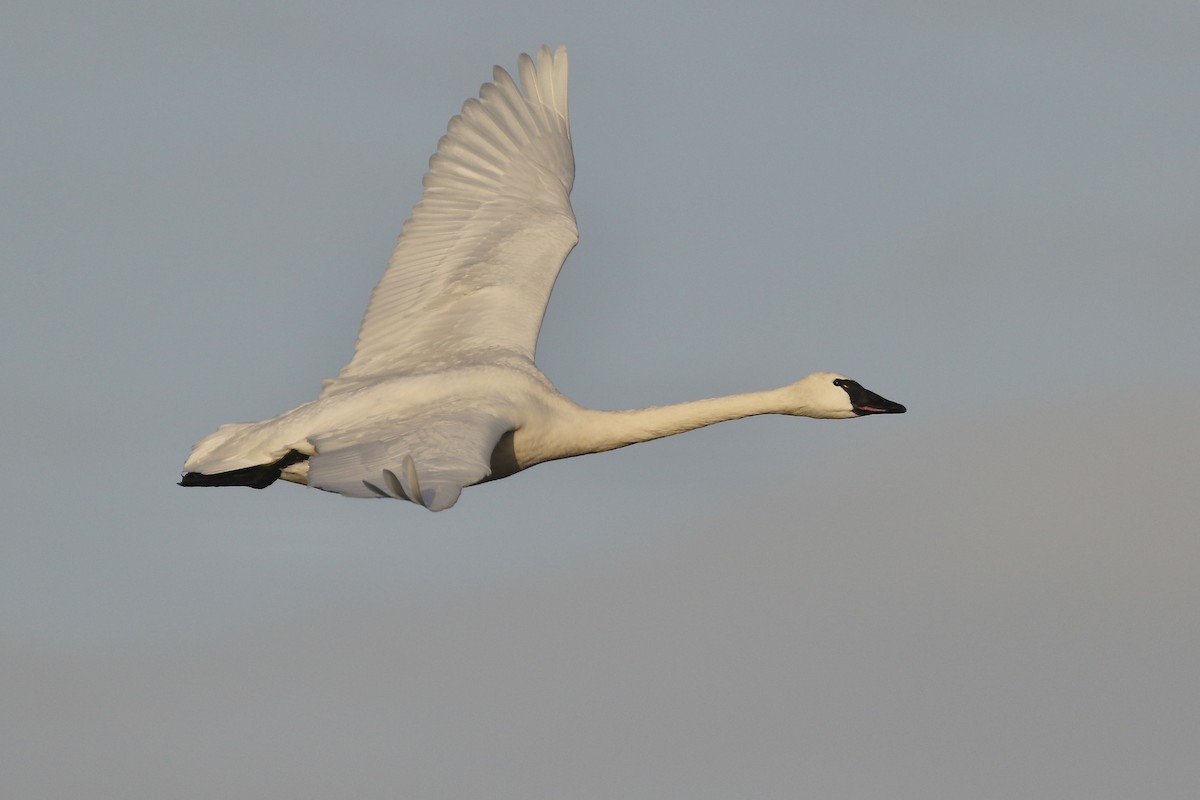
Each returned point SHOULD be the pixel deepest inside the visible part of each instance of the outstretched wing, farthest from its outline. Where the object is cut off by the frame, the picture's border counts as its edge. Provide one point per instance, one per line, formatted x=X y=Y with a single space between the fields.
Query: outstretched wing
x=471 y=275
x=428 y=462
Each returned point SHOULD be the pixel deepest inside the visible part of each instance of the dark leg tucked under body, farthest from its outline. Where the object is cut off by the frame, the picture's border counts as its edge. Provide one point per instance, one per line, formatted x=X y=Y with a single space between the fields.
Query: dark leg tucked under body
x=259 y=476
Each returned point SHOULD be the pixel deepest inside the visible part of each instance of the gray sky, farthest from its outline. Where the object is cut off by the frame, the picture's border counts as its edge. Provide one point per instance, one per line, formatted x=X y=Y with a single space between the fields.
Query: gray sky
x=986 y=212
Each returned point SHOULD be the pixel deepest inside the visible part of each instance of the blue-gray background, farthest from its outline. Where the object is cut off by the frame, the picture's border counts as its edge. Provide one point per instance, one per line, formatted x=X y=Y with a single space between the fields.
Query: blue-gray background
x=985 y=211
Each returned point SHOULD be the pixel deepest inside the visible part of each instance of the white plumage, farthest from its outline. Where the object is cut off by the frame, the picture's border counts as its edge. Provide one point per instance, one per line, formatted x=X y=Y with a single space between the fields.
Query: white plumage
x=442 y=391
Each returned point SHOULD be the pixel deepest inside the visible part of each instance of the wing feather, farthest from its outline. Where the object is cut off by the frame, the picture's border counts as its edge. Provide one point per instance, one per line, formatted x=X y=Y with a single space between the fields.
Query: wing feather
x=475 y=264
x=429 y=461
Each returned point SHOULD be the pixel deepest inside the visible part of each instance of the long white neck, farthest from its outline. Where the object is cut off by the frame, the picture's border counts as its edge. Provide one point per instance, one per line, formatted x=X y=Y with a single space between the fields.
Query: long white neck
x=575 y=430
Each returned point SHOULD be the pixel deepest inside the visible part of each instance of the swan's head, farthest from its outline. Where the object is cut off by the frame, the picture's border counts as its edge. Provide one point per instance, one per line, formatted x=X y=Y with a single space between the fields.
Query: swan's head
x=828 y=395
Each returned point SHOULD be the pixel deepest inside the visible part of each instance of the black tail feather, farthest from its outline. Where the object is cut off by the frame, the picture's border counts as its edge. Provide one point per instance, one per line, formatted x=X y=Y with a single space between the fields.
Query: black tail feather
x=259 y=476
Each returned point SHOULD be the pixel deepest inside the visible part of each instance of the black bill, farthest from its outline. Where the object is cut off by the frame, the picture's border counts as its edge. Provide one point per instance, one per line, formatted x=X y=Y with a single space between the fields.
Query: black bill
x=864 y=401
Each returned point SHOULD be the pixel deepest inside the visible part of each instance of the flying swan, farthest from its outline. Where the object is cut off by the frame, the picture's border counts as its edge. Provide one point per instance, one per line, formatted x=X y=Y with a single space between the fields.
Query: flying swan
x=443 y=391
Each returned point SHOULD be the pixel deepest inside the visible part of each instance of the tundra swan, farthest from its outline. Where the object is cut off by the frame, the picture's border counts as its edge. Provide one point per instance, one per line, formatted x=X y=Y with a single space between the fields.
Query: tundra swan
x=442 y=391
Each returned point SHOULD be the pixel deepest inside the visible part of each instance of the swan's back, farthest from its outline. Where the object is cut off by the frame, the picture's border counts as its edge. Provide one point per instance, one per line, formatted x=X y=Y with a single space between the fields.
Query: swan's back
x=471 y=275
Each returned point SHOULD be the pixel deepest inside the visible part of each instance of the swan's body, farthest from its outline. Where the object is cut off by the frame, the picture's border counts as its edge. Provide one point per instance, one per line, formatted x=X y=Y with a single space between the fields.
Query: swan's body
x=443 y=391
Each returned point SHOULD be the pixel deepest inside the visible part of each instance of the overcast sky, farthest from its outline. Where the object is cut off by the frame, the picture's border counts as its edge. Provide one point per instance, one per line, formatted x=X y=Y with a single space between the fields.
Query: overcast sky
x=987 y=212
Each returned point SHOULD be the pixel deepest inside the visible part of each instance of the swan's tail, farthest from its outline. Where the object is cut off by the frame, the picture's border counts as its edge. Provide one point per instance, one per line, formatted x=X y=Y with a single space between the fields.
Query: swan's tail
x=241 y=454
x=258 y=476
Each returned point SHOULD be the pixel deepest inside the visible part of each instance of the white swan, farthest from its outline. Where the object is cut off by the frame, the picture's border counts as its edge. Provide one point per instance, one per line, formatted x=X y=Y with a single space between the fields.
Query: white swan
x=443 y=391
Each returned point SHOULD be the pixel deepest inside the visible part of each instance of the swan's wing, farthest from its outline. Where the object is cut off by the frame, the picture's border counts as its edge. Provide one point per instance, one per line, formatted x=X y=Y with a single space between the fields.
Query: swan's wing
x=429 y=461
x=471 y=275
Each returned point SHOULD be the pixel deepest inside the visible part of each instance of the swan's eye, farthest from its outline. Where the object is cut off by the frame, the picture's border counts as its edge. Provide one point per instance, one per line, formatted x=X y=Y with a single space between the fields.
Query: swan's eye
x=839 y=381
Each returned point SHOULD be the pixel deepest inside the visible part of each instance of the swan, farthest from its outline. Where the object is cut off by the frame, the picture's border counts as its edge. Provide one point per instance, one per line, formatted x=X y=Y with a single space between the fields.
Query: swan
x=442 y=391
